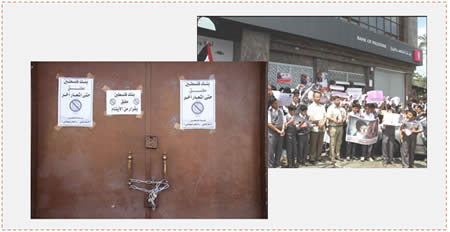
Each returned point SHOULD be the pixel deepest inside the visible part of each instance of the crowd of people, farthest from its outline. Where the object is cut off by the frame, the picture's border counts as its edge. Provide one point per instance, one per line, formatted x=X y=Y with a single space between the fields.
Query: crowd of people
x=316 y=121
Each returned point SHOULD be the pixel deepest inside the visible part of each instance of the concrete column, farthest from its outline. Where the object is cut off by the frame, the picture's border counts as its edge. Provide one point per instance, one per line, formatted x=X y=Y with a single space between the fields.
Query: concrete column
x=408 y=86
x=370 y=76
x=410 y=31
x=255 y=45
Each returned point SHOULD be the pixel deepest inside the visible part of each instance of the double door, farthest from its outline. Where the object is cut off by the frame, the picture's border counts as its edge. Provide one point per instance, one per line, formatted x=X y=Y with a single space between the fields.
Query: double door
x=84 y=172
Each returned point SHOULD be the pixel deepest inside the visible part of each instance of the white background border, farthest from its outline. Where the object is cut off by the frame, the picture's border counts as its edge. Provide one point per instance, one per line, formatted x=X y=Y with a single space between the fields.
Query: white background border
x=298 y=198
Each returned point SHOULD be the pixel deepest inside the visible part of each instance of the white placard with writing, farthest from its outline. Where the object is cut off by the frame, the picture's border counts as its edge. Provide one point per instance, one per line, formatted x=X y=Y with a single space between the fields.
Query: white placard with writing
x=354 y=92
x=392 y=119
x=75 y=96
x=123 y=102
x=198 y=104
x=285 y=99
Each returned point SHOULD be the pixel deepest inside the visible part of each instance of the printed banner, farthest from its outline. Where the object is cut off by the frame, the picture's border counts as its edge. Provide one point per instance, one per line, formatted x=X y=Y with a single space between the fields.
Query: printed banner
x=198 y=104
x=362 y=131
x=375 y=96
x=123 y=102
x=392 y=119
x=322 y=80
x=284 y=78
x=305 y=80
x=75 y=101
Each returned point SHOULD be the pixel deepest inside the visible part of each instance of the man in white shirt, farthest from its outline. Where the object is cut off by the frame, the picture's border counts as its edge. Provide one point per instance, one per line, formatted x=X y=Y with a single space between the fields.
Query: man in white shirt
x=317 y=114
x=336 y=116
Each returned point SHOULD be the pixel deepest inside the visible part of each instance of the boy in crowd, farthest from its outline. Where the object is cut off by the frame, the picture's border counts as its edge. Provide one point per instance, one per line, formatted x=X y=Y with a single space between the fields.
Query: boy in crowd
x=317 y=114
x=422 y=118
x=291 y=135
x=408 y=134
x=387 y=143
x=367 y=149
x=276 y=124
x=336 y=116
x=303 y=130
x=351 y=147
x=295 y=102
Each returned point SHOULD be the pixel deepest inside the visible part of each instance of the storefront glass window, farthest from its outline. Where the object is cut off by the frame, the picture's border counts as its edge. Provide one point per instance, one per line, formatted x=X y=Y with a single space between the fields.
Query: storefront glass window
x=373 y=21
x=380 y=23
x=394 y=29
x=364 y=20
x=387 y=25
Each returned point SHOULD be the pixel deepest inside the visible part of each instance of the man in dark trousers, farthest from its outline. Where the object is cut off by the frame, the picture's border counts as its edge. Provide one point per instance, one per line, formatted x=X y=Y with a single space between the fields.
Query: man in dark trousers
x=408 y=136
x=291 y=135
x=317 y=114
x=276 y=124
x=387 y=144
x=303 y=130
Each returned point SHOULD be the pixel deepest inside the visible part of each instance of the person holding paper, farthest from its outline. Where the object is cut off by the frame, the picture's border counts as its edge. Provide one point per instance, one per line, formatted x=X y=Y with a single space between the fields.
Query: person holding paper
x=317 y=114
x=336 y=116
x=291 y=135
x=303 y=131
x=408 y=136
x=388 y=139
x=422 y=118
x=276 y=124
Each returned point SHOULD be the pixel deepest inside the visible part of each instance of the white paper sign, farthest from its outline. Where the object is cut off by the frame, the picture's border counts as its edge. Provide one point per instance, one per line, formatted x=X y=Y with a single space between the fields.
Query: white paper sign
x=123 y=102
x=354 y=92
x=75 y=97
x=285 y=99
x=392 y=119
x=198 y=104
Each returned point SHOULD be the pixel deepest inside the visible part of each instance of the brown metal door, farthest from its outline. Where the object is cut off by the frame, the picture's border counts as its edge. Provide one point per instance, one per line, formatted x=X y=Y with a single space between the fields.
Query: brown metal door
x=212 y=174
x=82 y=173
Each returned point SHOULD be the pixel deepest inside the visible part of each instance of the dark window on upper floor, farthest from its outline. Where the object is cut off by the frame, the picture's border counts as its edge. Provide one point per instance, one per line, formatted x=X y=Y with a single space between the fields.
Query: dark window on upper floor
x=387 y=25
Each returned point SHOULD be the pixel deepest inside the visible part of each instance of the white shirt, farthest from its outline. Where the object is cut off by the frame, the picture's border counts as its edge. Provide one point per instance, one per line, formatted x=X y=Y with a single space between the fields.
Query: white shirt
x=335 y=112
x=368 y=115
x=270 y=116
x=353 y=114
x=316 y=112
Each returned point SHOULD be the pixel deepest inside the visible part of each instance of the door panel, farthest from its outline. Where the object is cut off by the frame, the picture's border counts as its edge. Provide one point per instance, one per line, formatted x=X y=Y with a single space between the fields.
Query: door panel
x=81 y=172
x=212 y=174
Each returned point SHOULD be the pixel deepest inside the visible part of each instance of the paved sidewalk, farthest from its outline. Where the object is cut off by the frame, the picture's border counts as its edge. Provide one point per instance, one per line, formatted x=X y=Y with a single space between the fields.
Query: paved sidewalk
x=377 y=163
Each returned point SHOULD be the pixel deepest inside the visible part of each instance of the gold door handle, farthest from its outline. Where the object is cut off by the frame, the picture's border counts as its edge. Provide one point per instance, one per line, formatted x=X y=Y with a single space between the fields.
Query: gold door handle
x=164 y=158
x=130 y=167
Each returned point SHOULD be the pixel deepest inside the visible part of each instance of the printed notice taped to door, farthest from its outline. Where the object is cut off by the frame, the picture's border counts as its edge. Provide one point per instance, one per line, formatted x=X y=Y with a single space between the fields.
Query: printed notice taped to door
x=198 y=104
x=75 y=102
x=123 y=102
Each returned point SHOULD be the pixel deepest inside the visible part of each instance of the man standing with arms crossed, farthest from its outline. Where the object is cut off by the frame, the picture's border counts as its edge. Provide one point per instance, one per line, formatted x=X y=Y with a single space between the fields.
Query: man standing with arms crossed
x=317 y=114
